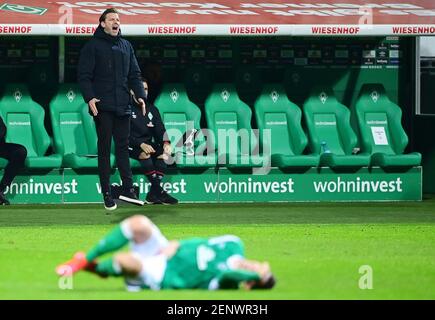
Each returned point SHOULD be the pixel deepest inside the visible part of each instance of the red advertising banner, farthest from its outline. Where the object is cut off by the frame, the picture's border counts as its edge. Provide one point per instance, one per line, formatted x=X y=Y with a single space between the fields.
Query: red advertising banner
x=224 y=17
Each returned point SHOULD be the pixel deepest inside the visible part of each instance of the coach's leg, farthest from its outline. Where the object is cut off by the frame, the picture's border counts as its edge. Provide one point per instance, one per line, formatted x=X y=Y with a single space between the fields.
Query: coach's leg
x=121 y=132
x=104 y=124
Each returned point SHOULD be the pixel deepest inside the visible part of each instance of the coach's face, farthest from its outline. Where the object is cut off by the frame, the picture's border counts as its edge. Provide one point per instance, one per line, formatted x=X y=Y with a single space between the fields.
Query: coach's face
x=111 y=24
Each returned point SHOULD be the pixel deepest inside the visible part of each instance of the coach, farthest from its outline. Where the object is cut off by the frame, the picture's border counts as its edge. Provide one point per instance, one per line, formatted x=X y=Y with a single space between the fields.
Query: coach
x=107 y=69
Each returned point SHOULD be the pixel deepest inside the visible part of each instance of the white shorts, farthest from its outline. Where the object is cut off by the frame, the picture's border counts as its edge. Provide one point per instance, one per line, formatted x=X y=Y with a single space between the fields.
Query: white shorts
x=151 y=275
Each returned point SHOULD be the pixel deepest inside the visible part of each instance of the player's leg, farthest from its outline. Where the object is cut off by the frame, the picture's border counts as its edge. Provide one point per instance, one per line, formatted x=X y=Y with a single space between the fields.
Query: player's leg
x=118 y=237
x=121 y=131
x=104 y=126
x=148 y=169
x=160 y=169
x=121 y=264
x=146 y=241
x=137 y=229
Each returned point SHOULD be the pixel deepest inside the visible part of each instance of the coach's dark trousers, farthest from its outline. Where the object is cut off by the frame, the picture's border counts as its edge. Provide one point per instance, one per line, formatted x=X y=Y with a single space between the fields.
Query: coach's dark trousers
x=15 y=154
x=109 y=124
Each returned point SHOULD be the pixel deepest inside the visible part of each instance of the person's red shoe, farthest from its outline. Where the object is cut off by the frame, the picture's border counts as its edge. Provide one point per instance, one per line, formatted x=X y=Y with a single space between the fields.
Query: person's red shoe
x=77 y=263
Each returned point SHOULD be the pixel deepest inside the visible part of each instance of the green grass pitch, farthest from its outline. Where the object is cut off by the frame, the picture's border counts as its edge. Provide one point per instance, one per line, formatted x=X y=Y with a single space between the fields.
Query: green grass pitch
x=315 y=249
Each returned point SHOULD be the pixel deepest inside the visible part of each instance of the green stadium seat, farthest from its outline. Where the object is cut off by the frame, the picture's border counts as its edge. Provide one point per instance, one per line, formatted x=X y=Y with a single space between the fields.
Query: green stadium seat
x=24 y=119
x=74 y=133
x=381 y=130
x=328 y=123
x=181 y=116
x=275 y=112
x=226 y=114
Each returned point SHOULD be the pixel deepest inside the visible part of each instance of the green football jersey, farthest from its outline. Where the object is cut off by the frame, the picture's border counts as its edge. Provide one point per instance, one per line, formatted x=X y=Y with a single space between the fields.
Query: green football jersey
x=203 y=263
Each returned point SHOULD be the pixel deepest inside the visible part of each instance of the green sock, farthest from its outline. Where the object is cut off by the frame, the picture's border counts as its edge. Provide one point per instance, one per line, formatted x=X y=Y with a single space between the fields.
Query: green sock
x=113 y=241
x=107 y=267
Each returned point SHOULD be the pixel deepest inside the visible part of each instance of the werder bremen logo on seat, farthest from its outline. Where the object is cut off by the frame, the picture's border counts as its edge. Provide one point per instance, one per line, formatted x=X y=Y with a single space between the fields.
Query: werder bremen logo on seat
x=174 y=95
x=225 y=95
x=375 y=96
x=274 y=96
x=70 y=95
x=17 y=95
x=23 y=9
x=323 y=97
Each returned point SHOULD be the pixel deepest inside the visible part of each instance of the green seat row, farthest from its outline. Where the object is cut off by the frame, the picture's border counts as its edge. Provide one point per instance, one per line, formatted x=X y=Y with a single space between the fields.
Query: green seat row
x=74 y=143
x=230 y=141
x=331 y=140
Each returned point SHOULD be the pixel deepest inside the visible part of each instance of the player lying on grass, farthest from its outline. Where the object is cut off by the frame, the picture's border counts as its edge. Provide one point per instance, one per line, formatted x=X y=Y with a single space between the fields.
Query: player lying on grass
x=155 y=263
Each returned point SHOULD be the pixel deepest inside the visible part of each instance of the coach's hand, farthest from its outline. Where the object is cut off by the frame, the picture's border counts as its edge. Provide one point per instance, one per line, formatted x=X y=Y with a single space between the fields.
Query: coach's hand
x=147 y=148
x=142 y=105
x=93 y=106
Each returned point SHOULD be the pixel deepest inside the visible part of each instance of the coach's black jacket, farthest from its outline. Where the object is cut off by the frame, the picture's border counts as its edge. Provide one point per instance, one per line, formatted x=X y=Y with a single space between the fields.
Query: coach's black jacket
x=146 y=129
x=107 y=69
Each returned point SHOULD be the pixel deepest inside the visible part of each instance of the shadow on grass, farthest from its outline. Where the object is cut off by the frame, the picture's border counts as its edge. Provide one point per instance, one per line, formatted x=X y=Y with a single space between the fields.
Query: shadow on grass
x=232 y=213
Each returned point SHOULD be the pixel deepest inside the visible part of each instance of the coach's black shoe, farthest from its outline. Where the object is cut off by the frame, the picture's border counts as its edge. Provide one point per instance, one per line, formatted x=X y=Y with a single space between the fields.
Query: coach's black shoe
x=3 y=200
x=109 y=204
x=130 y=197
x=165 y=198
x=152 y=198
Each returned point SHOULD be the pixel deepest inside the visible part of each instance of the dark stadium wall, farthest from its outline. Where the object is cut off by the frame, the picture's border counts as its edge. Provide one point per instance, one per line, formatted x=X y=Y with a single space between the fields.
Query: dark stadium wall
x=425 y=144
x=299 y=63
x=34 y=61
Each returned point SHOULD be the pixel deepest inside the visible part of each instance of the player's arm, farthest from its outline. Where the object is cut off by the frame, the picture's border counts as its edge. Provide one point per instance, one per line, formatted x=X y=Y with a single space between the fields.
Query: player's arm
x=135 y=141
x=231 y=279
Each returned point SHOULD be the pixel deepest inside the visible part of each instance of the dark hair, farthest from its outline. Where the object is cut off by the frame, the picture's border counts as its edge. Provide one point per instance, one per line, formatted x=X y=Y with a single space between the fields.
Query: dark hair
x=268 y=284
x=106 y=12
